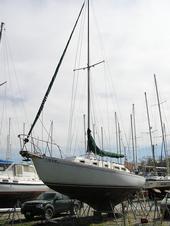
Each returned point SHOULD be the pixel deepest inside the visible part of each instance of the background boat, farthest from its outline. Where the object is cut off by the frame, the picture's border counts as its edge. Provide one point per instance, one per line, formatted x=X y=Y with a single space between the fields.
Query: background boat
x=18 y=182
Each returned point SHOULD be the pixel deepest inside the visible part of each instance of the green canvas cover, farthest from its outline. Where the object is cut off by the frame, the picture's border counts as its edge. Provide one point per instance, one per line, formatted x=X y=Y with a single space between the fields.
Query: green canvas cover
x=96 y=150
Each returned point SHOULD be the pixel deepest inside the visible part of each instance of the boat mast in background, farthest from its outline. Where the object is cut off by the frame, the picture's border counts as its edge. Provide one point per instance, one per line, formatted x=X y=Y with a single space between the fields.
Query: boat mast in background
x=150 y=133
x=119 y=140
x=133 y=148
x=135 y=138
x=8 y=151
x=116 y=127
x=3 y=83
x=102 y=137
x=19 y=182
x=162 y=127
x=2 y=26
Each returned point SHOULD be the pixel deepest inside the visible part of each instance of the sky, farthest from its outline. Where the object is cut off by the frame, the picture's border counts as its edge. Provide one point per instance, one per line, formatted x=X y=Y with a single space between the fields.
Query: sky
x=132 y=37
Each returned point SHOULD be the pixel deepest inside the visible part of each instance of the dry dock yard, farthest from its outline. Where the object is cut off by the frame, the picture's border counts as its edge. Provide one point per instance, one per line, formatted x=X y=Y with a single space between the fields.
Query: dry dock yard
x=130 y=213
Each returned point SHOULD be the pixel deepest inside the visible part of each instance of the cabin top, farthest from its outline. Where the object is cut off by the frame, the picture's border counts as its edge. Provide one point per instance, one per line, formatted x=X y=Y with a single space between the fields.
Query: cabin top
x=91 y=160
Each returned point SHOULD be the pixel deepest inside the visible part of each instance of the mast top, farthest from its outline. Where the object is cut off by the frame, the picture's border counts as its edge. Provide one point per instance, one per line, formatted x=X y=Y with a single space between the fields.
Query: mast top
x=2 y=25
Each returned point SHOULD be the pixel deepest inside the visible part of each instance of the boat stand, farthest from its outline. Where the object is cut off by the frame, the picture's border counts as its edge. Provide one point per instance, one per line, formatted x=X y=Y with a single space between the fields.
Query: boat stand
x=137 y=210
x=134 y=211
x=13 y=214
x=144 y=209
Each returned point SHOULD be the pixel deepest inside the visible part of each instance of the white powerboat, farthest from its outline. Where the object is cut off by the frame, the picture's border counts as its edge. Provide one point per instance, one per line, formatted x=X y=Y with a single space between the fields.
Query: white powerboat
x=18 y=182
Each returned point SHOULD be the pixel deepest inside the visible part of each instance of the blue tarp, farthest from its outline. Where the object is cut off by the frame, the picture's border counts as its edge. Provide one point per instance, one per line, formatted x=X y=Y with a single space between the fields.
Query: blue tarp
x=5 y=161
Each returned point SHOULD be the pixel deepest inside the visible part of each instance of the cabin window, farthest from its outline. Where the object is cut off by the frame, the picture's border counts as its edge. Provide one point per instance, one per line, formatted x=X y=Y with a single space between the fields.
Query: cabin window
x=116 y=167
x=28 y=169
x=82 y=161
x=106 y=165
x=18 y=170
x=2 y=168
x=15 y=181
x=95 y=163
x=123 y=169
x=5 y=180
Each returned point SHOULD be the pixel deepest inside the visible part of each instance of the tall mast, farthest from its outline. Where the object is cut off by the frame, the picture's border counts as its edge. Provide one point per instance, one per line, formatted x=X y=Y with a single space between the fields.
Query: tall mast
x=150 y=134
x=8 y=153
x=135 y=139
x=102 y=136
x=162 y=127
x=131 y=122
x=167 y=158
x=88 y=67
x=8 y=136
x=2 y=25
x=160 y=115
x=116 y=122
x=119 y=141
x=88 y=73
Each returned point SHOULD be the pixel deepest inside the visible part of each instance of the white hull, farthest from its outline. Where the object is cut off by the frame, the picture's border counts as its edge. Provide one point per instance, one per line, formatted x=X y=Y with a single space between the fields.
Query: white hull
x=158 y=187
x=14 y=194
x=94 y=185
x=54 y=170
x=159 y=184
x=6 y=188
x=18 y=183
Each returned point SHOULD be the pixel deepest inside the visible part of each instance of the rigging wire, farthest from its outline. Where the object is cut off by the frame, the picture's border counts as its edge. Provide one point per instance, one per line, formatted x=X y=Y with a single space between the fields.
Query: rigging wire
x=75 y=82
x=110 y=79
x=52 y=80
x=14 y=72
x=10 y=99
x=2 y=115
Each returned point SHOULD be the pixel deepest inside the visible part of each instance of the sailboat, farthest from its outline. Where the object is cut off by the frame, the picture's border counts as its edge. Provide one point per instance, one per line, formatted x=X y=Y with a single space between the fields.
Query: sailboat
x=19 y=182
x=99 y=183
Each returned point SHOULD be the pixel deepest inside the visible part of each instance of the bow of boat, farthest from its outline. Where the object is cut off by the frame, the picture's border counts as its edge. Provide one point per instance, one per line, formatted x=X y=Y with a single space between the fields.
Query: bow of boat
x=30 y=155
